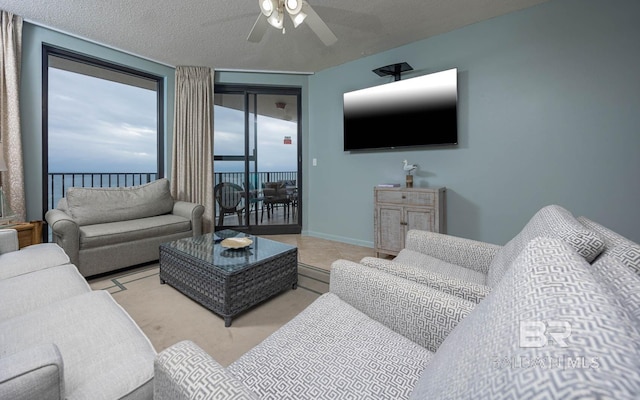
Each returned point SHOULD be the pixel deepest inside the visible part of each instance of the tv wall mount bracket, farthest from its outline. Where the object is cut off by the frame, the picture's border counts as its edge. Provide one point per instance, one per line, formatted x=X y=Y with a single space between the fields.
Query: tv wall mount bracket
x=393 y=69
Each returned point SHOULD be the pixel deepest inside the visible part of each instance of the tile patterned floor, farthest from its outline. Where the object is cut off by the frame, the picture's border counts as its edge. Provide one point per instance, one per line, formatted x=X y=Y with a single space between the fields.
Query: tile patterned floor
x=311 y=278
x=321 y=252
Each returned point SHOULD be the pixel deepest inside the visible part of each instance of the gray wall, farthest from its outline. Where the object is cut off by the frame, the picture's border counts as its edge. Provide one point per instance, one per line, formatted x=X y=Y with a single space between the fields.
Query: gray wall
x=549 y=113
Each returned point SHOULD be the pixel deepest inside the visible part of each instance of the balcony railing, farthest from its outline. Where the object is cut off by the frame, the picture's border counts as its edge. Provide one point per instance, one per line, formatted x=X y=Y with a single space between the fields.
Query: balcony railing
x=256 y=180
x=58 y=183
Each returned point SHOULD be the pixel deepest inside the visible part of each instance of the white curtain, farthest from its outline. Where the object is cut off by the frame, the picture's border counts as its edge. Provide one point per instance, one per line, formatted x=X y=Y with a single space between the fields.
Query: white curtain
x=10 y=136
x=192 y=160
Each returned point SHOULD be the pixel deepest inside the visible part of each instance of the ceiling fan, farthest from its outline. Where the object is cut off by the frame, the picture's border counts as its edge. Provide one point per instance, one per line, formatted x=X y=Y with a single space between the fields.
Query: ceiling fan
x=273 y=11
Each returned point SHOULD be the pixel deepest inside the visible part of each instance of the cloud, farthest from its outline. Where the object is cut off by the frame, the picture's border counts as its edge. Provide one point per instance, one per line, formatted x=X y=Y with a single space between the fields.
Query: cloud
x=103 y=126
x=272 y=153
x=100 y=126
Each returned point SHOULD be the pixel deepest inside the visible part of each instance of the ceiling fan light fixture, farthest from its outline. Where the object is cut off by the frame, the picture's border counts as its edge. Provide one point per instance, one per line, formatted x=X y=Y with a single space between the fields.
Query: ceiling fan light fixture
x=276 y=20
x=293 y=6
x=272 y=13
x=268 y=6
x=298 y=18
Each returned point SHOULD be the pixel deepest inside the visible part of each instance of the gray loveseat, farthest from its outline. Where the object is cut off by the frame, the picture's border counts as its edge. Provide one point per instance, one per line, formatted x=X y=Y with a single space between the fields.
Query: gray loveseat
x=105 y=229
x=58 y=338
x=555 y=325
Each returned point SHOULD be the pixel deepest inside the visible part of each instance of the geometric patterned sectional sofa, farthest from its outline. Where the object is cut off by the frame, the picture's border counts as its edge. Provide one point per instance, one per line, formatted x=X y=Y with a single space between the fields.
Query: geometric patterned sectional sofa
x=556 y=316
x=470 y=269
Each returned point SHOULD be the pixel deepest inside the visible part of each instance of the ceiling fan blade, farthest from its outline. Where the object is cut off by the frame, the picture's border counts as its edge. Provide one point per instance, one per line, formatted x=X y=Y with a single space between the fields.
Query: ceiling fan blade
x=259 y=29
x=318 y=26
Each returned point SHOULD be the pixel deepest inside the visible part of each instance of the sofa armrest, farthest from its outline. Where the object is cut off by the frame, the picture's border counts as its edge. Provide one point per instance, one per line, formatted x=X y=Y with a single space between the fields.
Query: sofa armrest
x=469 y=291
x=35 y=373
x=8 y=240
x=66 y=233
x=191 y=211
x=185 y=371
x=464 y=252
x=416 y=311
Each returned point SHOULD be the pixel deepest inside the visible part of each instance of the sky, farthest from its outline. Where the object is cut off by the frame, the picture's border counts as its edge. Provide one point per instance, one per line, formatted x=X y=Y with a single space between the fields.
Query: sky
x=273 y=153
x=102 y=126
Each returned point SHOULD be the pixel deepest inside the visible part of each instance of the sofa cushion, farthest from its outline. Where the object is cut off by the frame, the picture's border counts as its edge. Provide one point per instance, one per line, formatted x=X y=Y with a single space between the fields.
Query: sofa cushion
x=100 y=205
x=435 y=265
x=551 y=221
x=418 y=312
x=549 y=329
x=27 y=292
x=31 y=258
x=331 y=350
x=105 y=354
x=416 y=273
x=99 y=235
x=456 y=250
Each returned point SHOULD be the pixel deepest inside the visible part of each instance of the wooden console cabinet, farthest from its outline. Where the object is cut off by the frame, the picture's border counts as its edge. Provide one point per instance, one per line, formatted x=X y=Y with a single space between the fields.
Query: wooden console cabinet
x=399 y=209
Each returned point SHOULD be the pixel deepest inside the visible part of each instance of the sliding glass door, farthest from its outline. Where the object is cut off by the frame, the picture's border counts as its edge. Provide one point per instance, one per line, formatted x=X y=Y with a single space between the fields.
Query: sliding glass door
x=257 y=159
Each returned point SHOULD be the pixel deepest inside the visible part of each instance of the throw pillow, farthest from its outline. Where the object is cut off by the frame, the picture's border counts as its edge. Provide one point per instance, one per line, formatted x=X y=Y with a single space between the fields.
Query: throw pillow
x=551 y=221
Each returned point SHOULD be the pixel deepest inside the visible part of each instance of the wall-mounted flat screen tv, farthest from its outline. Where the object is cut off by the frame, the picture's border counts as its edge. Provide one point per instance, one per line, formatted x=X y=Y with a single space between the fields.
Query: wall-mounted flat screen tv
x=420 y=111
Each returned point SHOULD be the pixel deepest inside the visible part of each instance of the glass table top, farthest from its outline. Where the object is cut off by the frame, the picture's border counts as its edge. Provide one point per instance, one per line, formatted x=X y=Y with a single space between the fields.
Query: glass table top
x=207 y=248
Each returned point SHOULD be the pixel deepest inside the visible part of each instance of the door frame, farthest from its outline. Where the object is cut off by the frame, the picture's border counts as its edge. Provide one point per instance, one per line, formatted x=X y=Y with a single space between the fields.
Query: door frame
x=247 y=91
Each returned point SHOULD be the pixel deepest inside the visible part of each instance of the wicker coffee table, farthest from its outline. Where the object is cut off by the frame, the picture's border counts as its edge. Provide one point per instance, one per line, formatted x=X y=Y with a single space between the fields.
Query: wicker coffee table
x=228 y=281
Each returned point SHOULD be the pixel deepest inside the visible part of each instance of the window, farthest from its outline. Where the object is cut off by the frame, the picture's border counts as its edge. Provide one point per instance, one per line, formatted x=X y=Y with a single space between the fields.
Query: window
x=101 y=124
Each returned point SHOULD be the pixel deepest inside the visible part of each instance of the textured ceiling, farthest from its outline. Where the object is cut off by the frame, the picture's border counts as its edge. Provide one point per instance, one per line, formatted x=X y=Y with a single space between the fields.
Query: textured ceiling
x=214 y=32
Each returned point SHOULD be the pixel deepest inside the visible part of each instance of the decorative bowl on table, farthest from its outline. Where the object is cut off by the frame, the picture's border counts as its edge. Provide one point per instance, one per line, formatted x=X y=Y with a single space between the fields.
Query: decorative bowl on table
x=236 y=242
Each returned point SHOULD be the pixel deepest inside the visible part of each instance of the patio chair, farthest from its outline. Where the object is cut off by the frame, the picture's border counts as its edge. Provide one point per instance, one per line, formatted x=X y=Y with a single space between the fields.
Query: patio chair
x=255 y=197
x=229 y=196
x=275 y=194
